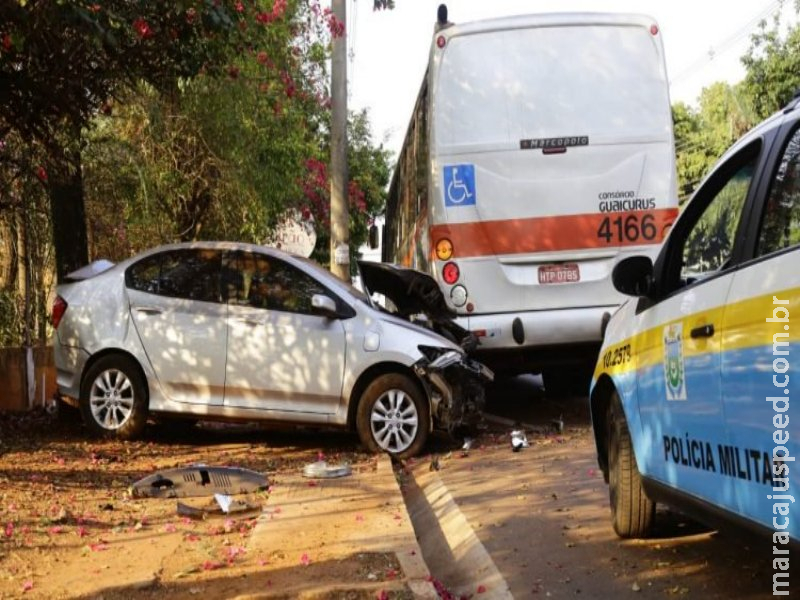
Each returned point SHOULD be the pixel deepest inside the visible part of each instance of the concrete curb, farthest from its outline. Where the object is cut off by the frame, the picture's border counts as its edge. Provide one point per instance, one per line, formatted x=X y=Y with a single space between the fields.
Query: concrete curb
x=453 y=549
x=318 y=520
x=410 y=556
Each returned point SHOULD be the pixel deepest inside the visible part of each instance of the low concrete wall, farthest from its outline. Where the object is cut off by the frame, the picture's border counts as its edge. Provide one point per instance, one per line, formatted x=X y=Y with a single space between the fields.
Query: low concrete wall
x=13 y=386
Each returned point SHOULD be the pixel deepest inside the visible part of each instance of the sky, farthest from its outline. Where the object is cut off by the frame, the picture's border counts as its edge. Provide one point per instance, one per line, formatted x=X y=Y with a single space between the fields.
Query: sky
x=388 y=50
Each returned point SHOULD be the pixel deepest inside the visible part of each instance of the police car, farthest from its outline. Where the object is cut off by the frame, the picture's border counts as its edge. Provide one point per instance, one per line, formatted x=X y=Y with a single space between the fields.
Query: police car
x=691 y=398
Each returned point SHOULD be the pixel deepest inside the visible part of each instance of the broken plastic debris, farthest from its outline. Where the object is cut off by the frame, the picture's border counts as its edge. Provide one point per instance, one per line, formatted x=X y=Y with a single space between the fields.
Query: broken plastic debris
x=518 y=440
x=224 y=502
x=322 y=470
x=198 y=480
x=200 y=512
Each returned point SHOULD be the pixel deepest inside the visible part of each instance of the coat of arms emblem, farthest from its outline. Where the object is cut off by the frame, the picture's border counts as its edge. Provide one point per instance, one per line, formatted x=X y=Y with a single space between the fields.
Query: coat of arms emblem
x=674 y=369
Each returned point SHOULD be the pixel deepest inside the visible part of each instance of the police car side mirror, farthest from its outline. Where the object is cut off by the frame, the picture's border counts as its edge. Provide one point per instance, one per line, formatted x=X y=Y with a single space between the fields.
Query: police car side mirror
x=633 y=276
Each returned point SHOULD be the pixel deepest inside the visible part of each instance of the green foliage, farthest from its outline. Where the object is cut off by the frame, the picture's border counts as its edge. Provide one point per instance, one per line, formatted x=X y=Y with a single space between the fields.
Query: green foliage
x=773 y=68
x=701 y=136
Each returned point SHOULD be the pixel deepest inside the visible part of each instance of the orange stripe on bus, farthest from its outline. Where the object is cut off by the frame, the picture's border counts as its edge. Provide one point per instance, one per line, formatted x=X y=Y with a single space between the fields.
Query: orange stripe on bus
x=550 y=234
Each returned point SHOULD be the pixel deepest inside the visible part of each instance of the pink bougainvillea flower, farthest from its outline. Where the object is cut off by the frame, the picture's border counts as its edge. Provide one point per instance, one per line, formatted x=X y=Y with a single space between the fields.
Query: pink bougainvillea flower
x=27 y=586
x=481 y=589
x=210 y=565
x=7 y=43
x=239 y=7
x=9 y=529
x=262 y=57
x=56 y=530
x=382 y=595
x=305 y=560
x=142 y=27
x=41 y=173
x=170 y=528
x=81 y=531
x=359 y=517
x=190 y=15
x=99 y=547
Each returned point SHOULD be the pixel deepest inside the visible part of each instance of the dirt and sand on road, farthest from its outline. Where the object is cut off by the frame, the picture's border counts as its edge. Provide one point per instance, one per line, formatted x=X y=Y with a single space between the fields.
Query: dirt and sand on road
x=70 y=528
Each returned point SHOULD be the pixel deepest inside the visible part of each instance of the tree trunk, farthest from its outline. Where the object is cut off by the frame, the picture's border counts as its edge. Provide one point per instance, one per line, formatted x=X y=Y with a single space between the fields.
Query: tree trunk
x=68 y=213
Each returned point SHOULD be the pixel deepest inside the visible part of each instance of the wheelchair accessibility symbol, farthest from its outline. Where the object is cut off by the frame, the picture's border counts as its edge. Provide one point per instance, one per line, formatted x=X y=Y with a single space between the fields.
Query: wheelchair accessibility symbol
x=459 y=185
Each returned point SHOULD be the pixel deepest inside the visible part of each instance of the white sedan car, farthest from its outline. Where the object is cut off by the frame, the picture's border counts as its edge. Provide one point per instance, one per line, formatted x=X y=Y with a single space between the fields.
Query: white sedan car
x=230 y=331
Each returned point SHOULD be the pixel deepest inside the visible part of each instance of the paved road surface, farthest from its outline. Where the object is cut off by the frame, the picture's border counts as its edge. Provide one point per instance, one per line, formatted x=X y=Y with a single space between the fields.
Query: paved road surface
x=542 y=516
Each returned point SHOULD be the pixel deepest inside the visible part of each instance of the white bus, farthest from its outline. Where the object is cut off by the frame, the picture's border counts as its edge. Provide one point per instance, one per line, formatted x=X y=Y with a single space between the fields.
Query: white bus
x=539 y=154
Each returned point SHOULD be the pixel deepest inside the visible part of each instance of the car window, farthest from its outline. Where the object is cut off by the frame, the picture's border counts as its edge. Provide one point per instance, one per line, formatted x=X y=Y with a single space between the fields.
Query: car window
x=191 y=273
x=780 y=225
x=709 y=244
x=267 y=282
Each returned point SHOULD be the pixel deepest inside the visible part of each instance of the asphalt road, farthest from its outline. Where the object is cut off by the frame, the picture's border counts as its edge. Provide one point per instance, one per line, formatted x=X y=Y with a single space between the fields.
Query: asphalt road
x=542 y=516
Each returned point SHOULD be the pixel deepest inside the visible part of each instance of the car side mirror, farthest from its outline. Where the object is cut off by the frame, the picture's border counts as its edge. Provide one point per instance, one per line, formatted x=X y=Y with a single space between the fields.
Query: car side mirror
x=324 y=306
x=633 y=276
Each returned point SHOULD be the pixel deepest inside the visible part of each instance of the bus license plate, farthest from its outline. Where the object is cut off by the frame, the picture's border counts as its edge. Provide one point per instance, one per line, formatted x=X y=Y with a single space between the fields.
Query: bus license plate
x=565 y=273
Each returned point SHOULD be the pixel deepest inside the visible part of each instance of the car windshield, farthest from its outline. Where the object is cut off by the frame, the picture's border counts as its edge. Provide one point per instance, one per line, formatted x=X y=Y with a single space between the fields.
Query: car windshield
x=331 y=280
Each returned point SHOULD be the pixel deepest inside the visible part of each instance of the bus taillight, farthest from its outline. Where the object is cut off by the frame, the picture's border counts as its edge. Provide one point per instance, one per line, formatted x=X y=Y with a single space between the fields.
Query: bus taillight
x=459 y=296
x=450 y=273
x=444 y=249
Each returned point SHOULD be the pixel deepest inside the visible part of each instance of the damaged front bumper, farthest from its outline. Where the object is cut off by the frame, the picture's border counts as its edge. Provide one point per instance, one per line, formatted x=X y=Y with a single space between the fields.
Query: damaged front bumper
x=456 y=386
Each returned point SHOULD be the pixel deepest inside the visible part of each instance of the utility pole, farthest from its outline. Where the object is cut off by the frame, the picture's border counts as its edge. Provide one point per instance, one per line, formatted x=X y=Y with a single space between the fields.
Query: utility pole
x=340 y=216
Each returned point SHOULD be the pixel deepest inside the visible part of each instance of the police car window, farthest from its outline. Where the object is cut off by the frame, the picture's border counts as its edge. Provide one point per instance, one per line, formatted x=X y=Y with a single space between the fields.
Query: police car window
x=269 y=283
x=780 y=225
x=709 y=245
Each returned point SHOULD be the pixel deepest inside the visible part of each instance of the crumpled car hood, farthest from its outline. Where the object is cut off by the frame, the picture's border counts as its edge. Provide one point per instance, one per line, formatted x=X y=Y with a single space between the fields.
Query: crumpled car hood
x=412 y=292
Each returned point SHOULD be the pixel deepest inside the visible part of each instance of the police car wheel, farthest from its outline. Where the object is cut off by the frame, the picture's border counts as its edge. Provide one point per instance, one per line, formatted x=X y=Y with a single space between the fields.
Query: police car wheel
x=632 y=512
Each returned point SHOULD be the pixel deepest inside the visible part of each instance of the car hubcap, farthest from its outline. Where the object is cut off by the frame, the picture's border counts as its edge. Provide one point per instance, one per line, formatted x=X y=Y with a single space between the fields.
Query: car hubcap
x=394 y=421
x=111 y=399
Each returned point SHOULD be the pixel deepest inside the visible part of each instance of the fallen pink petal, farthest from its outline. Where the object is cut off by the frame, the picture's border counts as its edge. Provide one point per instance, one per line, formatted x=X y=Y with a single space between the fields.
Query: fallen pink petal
x=305 y=560
x=27 y=586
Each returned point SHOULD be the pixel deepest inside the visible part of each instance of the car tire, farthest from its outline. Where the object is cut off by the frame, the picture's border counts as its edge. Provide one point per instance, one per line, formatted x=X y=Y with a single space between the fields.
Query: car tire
x=114 y=398
x=393 y=416
x=632 y=512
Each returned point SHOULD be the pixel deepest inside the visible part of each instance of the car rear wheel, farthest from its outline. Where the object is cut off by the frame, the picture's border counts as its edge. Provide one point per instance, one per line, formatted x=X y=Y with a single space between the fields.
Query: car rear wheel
x=632 y=512
x=393 y=416
x=114 y=398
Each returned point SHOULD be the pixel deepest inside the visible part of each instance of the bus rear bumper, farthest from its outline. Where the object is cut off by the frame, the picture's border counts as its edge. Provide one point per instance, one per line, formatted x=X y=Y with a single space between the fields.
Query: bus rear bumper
x=539 y=337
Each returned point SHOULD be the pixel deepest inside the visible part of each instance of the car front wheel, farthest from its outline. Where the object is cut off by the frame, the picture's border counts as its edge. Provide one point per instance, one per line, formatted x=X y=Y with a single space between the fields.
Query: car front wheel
x=393 y=416
x=114 y=398
x=632 y=512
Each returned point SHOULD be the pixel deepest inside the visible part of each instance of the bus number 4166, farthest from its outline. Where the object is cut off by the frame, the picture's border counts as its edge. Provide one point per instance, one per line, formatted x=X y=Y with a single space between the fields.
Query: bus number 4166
x=628 y=229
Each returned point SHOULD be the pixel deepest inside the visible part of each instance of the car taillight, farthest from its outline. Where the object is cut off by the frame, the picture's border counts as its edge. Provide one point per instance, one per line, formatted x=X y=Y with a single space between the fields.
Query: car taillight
x=59 y=308
x=450 y=273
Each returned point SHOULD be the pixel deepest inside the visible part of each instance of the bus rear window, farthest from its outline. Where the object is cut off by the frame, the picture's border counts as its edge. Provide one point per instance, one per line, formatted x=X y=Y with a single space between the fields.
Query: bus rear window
x=596 y=81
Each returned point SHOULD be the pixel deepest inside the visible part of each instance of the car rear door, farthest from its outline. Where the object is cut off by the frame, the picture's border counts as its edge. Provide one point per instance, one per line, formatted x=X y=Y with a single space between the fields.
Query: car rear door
x=282 y=355
x=760 y=342
x=176 y=307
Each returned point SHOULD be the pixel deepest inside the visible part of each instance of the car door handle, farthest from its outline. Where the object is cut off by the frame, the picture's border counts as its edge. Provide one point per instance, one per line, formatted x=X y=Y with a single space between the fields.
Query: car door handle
x=704 y=331
x=148 y=310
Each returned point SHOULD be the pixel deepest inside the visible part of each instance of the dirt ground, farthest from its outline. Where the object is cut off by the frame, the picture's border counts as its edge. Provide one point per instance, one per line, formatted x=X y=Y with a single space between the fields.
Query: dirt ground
x=69 y=527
